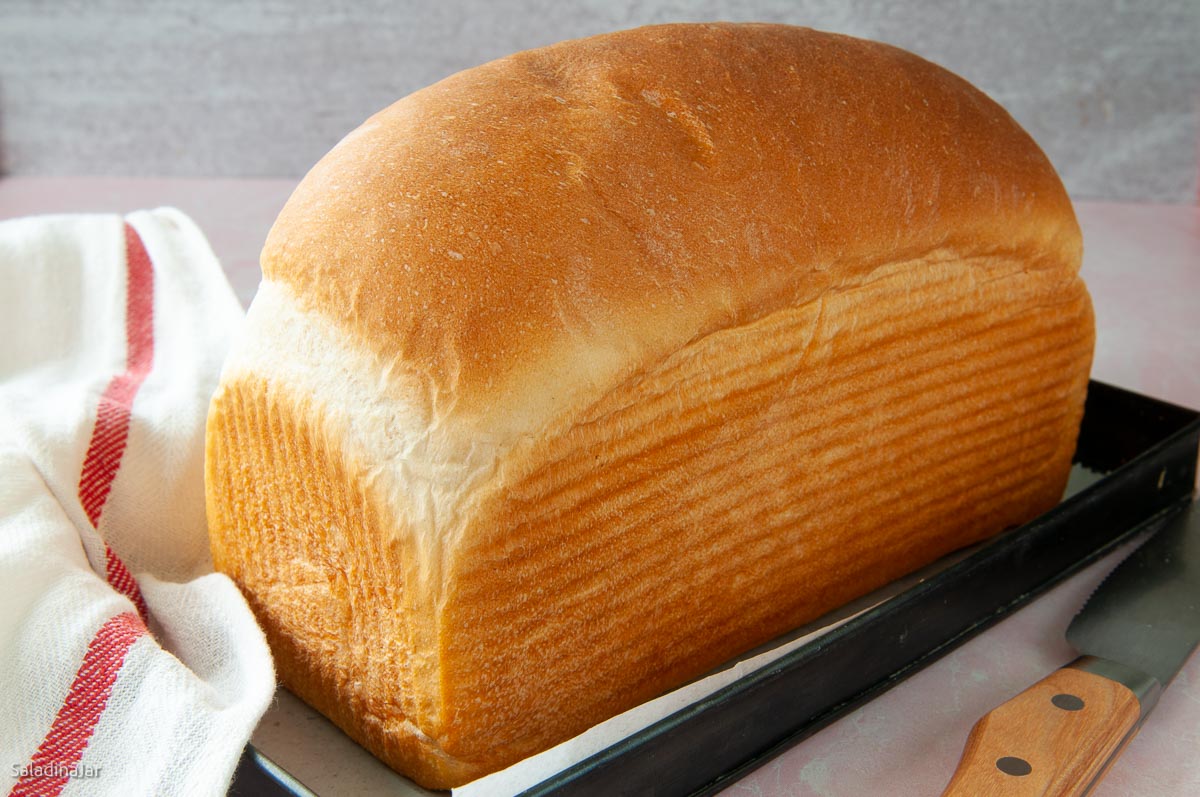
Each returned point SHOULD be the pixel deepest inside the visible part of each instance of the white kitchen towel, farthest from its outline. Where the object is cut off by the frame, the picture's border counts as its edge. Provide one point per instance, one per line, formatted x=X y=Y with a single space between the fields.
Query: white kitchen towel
x=127 y=667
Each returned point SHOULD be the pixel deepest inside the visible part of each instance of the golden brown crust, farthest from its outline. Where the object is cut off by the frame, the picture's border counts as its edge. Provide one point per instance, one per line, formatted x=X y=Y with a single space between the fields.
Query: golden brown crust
x=579 y=372
x=647 y=187
x=293 y=523
x=726 y=498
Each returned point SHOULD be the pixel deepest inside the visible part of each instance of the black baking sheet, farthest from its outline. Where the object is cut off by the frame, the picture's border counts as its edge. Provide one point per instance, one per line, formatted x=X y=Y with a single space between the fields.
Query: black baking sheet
x=1135 y=462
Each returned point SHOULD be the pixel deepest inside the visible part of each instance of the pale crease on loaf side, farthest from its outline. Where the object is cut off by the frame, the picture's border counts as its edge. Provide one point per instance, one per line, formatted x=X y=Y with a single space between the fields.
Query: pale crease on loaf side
x=582 y=371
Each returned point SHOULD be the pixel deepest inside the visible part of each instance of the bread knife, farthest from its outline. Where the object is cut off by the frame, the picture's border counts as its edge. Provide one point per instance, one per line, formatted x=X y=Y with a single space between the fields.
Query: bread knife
x=1134 y=633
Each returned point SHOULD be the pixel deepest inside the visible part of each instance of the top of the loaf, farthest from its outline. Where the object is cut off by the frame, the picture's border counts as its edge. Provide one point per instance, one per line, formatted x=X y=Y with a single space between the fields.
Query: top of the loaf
x=517 y=239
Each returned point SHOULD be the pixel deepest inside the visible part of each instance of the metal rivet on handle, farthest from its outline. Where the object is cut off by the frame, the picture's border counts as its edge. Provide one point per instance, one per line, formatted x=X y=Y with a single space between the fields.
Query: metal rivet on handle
x=1067 y=702
x=1010 y=765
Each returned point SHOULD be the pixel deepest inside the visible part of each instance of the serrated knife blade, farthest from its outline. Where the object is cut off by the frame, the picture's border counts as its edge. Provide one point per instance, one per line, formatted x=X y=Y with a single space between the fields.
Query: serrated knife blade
x=1134 y=634
x=1145 y=615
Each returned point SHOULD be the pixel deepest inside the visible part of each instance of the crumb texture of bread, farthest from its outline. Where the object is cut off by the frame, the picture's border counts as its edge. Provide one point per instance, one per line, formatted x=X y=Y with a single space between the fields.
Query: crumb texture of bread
x=580 y=372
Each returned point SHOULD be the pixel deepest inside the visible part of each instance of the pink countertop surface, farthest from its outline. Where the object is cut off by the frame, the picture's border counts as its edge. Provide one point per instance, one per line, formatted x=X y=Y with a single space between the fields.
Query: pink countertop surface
x=1142 y=265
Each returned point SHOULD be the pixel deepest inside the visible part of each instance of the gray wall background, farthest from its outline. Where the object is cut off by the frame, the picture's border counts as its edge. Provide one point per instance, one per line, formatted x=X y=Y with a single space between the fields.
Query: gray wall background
x=206 y=88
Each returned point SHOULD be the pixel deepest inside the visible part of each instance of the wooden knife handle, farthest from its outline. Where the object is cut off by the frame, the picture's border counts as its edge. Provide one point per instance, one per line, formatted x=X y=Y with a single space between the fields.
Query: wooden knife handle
x=1058 y=737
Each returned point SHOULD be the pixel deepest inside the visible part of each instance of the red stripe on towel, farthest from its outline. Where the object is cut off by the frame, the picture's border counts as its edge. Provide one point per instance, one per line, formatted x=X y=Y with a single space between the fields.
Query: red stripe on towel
x=58 y=756
x=114 y=413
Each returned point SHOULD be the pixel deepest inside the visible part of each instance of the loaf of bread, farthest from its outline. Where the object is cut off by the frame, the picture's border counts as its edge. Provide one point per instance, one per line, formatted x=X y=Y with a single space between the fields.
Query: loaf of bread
x=580 y=372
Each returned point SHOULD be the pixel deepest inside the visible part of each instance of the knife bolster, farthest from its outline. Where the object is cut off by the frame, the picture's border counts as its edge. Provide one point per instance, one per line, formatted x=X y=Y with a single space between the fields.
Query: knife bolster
x=1145 y=687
